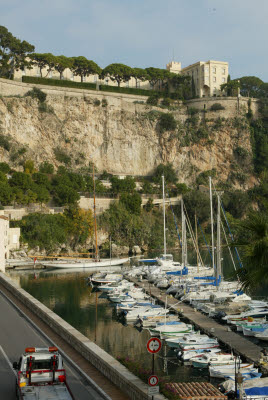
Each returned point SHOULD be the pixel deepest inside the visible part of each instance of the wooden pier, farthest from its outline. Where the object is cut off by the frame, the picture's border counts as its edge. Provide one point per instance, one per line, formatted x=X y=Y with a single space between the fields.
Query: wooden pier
x=237 y=343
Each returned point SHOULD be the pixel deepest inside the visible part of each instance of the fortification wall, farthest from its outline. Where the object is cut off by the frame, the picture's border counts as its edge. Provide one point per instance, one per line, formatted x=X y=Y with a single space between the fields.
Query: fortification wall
x=232 y=105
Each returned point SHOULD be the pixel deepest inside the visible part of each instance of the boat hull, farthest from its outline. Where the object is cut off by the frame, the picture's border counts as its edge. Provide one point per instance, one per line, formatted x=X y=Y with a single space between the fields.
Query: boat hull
x=87 y=264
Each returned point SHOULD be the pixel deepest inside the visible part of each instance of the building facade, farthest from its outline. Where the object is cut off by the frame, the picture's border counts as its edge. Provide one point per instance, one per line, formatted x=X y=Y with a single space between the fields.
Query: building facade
x=9 y=240
x=207 y=76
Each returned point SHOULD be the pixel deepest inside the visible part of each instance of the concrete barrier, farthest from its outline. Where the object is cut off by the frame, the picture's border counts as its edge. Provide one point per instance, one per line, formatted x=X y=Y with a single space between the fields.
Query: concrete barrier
x=106 y=364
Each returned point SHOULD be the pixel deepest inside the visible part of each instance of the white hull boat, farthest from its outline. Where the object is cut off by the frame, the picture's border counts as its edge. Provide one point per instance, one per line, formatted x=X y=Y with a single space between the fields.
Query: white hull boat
x=214 y=360
x=188 y=355
x=227 y=370
x=93 y=264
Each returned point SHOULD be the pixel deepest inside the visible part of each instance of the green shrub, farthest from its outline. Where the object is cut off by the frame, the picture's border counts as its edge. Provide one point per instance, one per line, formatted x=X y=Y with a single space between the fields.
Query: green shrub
x=153 y=115
x=46 y=168
x=167 y=122
x=153 y=99
x=166 y=102
x=96 y=102
x=218 y=123
x=104 y=103
x=202 y=132
x=62 y=157
x=118 y=89
x=4 y=167
x=202 y=178
x=5 y=142
x=240 y=152
x=36 y=93
x=58 y=82
x=45 y=108
x=192 y=111
x=217 y=107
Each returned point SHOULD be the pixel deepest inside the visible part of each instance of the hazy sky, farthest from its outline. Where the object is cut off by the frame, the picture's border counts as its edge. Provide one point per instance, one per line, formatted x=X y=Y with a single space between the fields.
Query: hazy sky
x=146 y=33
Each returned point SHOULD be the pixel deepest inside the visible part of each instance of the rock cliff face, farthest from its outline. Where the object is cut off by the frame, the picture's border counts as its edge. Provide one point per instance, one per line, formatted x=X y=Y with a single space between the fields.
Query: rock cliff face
x=124 y=137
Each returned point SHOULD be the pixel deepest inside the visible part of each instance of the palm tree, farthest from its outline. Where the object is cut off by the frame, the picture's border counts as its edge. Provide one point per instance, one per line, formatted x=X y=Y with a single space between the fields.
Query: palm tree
x=254 y=251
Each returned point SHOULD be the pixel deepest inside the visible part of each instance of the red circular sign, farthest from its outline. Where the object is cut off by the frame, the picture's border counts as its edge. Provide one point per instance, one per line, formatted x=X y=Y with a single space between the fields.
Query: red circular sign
x=153 y=380
x=154 y=345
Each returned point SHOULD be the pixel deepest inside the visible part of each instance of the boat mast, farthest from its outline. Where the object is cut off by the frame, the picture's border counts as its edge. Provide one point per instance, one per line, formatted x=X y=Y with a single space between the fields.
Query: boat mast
x=95 y=219
x=218 y=240
x=183 y=235
x=196 y=239
x=164 y=214
x=211 y=221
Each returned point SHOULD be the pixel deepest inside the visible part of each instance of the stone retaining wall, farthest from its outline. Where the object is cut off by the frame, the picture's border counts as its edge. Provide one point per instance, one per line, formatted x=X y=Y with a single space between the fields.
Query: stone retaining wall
x=106 y=364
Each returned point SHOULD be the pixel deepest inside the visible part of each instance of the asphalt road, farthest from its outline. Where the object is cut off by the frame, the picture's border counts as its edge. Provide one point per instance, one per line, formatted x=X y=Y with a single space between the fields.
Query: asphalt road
x=16 y=333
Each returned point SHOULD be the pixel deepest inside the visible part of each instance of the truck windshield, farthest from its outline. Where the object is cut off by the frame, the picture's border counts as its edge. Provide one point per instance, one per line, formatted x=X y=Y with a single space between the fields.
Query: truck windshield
x=42 y=364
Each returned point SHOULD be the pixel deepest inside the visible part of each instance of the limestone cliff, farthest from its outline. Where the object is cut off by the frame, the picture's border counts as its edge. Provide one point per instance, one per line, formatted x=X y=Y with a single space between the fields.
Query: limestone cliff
x=123 y=137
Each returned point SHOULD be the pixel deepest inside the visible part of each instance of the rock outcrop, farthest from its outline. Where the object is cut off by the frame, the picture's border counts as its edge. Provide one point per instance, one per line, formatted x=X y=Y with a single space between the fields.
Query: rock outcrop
x=123 y=137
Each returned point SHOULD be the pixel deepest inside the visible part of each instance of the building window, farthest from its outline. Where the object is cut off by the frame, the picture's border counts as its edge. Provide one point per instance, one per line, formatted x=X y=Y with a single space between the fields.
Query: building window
x=206 y=69
x=95 y=78
x=223 y=71
x=138 y=84
x=214 y=70
x=214 y=78
x=127 y=84
x=223 y=80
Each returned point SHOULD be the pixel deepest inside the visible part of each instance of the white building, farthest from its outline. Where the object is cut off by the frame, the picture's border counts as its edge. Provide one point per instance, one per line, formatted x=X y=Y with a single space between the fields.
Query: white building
x=9 y=240
x=208 y=76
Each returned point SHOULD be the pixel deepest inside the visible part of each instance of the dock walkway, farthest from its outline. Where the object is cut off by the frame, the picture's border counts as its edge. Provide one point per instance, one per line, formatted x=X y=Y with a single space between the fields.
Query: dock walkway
x=238 y=344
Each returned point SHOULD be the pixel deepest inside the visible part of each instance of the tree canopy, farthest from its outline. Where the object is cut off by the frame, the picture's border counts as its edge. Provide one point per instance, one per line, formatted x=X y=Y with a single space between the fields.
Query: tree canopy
x=81 y=66
x=117 y=73
x=255 y=251
x=13 y=53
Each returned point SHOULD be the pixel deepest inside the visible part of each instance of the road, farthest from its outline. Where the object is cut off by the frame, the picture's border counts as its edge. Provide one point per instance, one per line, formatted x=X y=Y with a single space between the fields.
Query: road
x=16 y=333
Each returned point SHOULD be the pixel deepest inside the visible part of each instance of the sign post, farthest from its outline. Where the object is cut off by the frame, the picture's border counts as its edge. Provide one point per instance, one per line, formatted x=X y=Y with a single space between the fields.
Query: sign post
x=153 y=347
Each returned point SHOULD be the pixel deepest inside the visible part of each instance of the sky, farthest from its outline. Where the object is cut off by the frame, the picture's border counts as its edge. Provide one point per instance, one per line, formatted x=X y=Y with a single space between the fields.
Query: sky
x=146 y=33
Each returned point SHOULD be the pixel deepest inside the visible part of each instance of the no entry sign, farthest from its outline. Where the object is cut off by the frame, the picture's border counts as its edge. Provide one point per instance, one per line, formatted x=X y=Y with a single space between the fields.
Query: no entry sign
x=154 y=345
x=153 y=380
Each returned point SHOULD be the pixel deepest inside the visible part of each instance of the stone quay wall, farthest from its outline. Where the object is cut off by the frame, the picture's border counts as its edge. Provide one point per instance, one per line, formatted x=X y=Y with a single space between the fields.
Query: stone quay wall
x=106 y=364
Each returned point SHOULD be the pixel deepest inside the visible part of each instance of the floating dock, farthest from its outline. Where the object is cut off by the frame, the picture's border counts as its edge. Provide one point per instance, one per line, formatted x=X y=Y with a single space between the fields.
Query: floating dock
x=237 y=343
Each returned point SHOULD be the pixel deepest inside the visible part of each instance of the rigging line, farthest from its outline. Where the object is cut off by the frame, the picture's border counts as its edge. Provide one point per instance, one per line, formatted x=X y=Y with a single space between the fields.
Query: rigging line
x=231 y=235
x=177 y=229
x=193 y=236
x=204 y=238
x=228 y=245
x=230 y=232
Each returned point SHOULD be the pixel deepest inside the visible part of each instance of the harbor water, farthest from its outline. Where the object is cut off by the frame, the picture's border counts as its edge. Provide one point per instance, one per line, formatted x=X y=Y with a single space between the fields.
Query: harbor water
x=67 y=294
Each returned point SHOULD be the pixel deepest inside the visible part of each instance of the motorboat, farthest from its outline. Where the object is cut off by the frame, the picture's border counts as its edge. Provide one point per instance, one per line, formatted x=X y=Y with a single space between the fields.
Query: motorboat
x=262 y=335
x=190 y=354
x=166 y=330
x=228 y=370
x=207 y=360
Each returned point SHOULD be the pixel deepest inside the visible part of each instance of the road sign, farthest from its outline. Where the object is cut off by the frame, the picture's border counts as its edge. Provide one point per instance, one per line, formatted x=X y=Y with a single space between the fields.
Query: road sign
x=153 y=380
x=153 y=390
x=154 y=345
